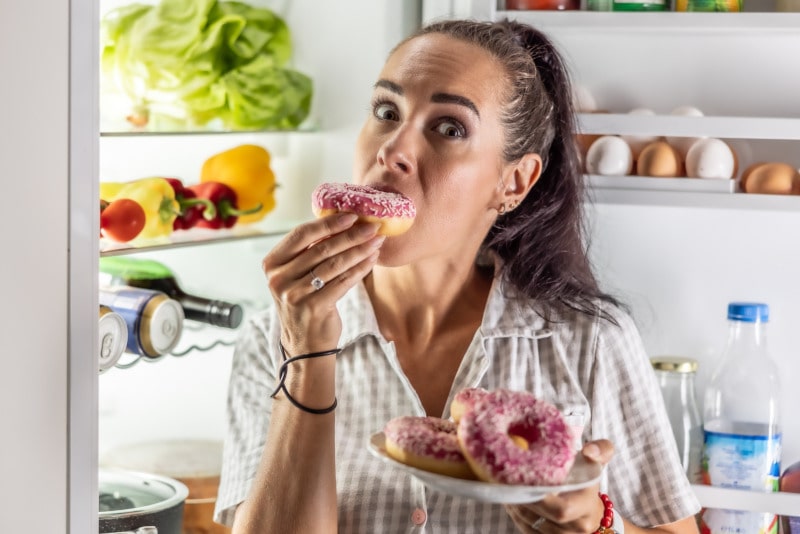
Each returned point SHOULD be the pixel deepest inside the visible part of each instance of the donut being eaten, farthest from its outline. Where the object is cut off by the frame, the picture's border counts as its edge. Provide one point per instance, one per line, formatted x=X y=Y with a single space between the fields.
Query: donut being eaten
x=393 y=211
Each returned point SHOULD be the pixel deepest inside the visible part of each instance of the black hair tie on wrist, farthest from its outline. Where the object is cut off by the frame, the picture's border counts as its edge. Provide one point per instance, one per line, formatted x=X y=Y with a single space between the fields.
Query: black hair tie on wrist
x=282 y=372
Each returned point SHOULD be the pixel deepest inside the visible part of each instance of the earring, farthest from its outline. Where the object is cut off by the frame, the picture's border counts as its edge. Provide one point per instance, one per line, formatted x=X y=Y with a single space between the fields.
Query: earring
x=513 y=205
x=502 y=209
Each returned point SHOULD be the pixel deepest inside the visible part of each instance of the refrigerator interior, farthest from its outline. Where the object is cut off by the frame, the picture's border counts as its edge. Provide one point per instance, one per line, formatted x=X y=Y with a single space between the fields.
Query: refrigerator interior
x=676 y=263
x=342 y=47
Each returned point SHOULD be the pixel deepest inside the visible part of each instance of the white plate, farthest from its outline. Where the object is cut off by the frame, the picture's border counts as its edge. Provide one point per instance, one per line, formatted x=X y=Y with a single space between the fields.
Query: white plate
x=582 y=474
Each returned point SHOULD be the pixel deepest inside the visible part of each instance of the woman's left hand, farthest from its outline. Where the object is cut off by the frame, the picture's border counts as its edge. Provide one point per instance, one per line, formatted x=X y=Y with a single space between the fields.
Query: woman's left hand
x=573 y=511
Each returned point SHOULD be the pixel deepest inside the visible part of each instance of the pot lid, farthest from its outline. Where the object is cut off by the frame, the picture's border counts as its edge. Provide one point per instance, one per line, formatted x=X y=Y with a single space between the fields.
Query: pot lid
x=124 y=493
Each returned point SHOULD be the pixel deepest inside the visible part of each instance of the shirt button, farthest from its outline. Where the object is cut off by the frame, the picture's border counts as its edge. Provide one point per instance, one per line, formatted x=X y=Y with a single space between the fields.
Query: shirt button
x=419 y=516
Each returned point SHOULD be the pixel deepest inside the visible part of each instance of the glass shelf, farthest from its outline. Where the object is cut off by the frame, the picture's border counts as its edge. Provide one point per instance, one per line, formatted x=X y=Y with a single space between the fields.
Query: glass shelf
x=199 y=236
x=304 y=129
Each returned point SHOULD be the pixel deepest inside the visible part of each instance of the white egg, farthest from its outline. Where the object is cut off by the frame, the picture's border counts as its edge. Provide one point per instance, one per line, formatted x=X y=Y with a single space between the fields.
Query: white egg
x=609 y=155
x=683 y=144
x=637 y=143
x=710 y=158
x=582 y=99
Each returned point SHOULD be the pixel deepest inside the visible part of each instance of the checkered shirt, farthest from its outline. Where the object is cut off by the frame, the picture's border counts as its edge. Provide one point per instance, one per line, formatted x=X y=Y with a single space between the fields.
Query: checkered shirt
x=597 y=373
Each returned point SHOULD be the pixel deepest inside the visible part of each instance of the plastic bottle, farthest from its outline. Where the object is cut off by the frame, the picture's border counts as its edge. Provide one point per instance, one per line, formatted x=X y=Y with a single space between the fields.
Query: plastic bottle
x=640 y=5
x=709 y=5
x=741 y=421
x=150 y=274
x=790 y=482
x=676 y=376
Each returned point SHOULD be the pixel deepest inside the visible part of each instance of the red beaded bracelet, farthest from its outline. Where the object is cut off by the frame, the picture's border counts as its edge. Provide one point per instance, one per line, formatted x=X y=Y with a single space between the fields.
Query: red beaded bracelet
x=608 y=515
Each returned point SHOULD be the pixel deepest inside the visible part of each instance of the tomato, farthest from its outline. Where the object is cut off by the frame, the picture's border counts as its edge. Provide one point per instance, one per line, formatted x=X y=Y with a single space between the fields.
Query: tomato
x=122 y=220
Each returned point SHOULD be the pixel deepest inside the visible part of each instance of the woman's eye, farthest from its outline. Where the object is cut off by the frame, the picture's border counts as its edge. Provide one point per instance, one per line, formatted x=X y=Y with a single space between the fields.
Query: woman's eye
x=450 y=129
x=385 y=112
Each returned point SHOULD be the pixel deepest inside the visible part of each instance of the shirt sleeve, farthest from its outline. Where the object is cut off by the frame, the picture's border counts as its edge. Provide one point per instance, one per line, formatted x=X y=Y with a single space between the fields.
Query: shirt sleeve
x=645 y=478
x=249 y=407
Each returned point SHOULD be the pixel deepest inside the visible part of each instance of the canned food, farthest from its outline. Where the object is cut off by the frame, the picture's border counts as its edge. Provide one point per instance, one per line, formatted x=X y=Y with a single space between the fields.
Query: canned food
x=154 y=320
x=113 y=333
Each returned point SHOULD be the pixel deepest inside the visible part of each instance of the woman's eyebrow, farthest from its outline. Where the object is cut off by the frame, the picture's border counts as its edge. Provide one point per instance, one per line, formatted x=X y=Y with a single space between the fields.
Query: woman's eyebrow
x=439 y=98
x=447 y=98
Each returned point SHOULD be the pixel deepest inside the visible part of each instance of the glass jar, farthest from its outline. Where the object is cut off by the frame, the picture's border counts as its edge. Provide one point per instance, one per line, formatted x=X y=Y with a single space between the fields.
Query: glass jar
x=676 y=377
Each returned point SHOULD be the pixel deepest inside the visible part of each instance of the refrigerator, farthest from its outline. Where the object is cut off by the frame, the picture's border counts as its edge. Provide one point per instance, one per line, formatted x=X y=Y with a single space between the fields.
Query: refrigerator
x=676 y=253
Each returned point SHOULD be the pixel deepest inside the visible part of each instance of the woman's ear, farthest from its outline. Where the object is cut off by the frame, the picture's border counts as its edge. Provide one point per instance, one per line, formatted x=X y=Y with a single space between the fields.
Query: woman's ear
x=519 y=178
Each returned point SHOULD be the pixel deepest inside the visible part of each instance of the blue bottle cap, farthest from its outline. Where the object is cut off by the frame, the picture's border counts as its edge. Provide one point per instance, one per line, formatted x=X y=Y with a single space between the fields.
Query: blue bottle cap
x=748 y=312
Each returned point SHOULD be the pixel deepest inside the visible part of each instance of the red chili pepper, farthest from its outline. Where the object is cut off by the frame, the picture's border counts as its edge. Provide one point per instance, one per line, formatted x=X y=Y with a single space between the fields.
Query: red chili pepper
x=192 y=209
x=224 y=199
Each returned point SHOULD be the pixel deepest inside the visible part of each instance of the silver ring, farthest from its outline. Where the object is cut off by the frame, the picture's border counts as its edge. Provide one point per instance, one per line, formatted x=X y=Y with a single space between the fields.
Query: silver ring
x=538 y=523
x=316 y=282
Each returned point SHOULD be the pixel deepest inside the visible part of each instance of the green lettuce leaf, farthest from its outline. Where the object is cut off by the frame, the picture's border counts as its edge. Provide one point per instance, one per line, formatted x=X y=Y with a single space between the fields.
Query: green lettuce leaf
x=204 y=60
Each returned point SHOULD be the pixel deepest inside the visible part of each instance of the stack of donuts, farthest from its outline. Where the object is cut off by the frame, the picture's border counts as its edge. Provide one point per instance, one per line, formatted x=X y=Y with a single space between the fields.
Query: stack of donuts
x=499 y=436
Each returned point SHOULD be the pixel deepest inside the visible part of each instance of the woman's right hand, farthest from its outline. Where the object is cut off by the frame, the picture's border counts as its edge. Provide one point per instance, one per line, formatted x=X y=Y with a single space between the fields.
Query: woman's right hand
x=337 y=251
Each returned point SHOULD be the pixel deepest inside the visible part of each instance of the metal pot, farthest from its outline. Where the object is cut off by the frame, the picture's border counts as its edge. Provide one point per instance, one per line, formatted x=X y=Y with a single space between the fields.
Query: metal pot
x=130 y=501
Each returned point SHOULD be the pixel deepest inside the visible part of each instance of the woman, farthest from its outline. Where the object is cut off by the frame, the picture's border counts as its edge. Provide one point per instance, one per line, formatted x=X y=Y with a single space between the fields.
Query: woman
x=490 y=287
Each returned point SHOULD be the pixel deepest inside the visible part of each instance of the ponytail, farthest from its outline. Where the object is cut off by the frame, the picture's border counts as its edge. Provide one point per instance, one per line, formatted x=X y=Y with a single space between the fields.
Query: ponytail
x=541 y=242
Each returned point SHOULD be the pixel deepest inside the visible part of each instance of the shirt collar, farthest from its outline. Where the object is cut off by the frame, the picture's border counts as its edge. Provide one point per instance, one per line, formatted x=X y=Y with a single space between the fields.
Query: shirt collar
x=508 y=313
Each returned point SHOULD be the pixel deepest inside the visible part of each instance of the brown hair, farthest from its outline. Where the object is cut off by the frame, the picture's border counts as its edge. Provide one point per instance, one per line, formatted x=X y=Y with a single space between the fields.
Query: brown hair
x=543 y=241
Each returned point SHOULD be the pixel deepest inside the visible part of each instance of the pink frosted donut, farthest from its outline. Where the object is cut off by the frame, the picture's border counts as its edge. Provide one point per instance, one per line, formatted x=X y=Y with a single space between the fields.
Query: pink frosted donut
x=393 y=211
x=465 y=400
x=428 y=443
x=511 y=437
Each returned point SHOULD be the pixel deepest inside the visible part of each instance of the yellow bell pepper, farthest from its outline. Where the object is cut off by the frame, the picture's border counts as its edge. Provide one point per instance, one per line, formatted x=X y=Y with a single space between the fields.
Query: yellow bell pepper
x=246 y=170
x=155 y=195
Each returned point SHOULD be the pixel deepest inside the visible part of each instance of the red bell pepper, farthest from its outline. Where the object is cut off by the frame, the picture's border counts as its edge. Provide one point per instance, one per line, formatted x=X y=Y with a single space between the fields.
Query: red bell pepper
x=192 y=209
x=224 y=199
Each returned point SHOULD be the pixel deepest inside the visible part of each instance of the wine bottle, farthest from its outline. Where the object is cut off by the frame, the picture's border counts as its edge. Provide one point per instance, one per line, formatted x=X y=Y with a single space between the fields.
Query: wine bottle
x=150 y=274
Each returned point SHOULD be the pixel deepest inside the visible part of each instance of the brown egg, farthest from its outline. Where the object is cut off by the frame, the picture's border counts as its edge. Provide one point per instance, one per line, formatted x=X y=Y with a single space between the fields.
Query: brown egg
x=746 y=174
x=770 y=179
x=659 y=159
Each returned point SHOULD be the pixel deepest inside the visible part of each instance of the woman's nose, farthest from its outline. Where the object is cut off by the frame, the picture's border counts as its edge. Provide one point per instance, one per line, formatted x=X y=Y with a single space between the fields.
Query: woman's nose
x=398 y=153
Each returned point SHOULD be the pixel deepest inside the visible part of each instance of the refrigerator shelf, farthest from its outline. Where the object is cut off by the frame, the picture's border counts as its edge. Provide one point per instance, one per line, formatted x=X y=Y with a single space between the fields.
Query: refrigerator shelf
x=652 y=183
x=678 y=126
x=199 y=236
x=780 y=503
x=742 y=24
x=685 y=192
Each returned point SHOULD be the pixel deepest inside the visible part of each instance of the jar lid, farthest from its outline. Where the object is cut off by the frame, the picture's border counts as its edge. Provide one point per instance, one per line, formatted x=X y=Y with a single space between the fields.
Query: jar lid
x=675 y=364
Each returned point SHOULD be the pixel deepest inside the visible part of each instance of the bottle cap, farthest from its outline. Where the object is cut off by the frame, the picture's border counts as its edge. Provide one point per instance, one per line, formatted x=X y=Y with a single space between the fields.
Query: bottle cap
x=748 y=312
x=675 y=364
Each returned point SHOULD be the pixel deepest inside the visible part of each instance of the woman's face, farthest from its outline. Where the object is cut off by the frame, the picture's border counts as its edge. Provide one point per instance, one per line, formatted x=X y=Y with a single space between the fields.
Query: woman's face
x=434 y=134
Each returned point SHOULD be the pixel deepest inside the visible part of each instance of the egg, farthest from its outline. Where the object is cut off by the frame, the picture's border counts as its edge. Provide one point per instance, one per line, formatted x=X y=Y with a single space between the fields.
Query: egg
x=584 y=142
x=770 y=179
x=683 y=144
x=637 y=143
x=659 y=159
x=609 y=155
x=582 y=99
x=710 y=158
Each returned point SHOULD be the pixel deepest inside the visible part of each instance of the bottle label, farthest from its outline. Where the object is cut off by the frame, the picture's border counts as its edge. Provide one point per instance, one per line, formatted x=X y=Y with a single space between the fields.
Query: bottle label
x=744 y=462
